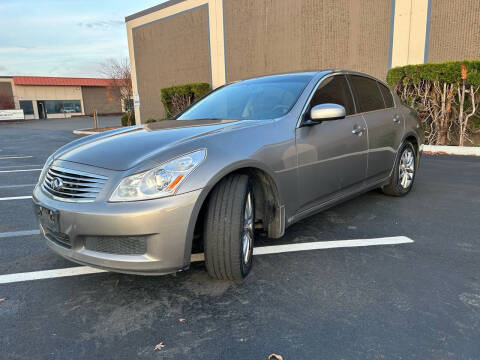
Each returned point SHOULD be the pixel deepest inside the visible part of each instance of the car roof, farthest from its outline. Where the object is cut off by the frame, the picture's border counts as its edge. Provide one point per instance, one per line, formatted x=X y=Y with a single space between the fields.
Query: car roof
x=303 y=74
x=354 y=72
x=312 y=74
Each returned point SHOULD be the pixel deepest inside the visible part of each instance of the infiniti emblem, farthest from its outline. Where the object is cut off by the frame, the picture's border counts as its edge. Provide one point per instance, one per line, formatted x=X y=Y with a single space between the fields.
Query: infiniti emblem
x=57 y=184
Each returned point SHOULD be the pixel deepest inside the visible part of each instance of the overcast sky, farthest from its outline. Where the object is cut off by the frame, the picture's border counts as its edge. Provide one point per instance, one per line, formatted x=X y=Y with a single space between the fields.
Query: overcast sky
x=63 y=37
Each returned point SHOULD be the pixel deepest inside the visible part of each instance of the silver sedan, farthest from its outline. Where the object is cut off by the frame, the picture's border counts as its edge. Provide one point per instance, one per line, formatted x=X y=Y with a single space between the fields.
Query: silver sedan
x=254 y=156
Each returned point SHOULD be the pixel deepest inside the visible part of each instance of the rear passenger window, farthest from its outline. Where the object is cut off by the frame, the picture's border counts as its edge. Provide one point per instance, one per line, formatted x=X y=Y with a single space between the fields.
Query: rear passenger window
x=366 y=93
x=387 y=95
x=334 y=90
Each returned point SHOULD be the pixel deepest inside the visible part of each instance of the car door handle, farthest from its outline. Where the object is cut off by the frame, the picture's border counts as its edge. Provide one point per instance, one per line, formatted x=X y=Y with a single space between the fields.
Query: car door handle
x=358 y=131
x=396 y=119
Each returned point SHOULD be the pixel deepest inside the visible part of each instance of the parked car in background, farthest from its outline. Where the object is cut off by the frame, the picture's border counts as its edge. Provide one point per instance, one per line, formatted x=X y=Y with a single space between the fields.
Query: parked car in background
x=69 y=109
x=254 y=156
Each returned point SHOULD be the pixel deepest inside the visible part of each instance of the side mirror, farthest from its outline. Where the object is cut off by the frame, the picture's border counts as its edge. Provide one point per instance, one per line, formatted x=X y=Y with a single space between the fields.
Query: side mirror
x=327 y=111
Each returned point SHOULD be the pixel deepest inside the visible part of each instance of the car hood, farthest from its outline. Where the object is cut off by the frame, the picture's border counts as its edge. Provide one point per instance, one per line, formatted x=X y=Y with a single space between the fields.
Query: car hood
x=128 y=148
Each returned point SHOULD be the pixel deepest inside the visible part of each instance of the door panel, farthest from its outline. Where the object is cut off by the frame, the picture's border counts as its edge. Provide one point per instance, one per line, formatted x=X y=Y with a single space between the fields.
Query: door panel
x=332 y=155
x=383 y=127
x=375 y=101
x=331 y=158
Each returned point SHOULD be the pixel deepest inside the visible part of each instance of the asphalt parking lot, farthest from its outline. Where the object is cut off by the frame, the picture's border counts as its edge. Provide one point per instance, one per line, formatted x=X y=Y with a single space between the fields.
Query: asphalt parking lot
x=418 y=300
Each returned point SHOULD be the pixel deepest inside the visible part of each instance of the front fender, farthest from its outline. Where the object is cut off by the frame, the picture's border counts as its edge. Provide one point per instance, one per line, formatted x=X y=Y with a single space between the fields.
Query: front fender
x=212 y=181
x=242 y=164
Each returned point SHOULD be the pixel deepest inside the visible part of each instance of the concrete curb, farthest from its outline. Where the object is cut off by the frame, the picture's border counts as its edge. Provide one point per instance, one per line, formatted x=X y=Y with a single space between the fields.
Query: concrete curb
x=90 y=132
x=452 y=150
x=84 y=132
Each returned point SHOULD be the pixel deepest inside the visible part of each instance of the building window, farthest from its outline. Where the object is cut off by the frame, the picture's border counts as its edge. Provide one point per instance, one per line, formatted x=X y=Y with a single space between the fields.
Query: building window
x=27 y=107
x=63 y=106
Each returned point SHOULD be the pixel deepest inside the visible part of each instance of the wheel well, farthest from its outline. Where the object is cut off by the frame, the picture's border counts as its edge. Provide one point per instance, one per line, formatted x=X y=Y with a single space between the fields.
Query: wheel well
x=414 y=142
x=267 y=205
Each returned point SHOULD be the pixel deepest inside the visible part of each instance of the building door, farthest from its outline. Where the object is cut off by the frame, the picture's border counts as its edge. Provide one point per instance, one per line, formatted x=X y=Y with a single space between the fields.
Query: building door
x=42 y=112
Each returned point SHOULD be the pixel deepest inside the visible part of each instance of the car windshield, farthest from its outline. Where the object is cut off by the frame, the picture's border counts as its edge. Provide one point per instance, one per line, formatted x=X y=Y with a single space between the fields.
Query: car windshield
x=256 y=99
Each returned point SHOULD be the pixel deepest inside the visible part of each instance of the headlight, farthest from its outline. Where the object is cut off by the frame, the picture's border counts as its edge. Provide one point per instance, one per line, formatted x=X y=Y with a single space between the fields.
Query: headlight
x=160 y=181
x=45 y=168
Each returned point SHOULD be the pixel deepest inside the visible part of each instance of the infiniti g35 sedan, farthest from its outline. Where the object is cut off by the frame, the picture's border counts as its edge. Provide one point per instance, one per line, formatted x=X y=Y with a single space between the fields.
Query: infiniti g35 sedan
x=252 y=157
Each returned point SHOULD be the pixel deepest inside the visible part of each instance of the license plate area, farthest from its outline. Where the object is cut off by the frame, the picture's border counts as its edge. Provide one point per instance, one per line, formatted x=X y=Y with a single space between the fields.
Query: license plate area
x=48 y=218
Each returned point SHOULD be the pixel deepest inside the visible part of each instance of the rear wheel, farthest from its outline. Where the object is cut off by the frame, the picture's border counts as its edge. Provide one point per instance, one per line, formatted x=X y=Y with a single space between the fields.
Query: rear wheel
x=229 y=230
x=403 y=175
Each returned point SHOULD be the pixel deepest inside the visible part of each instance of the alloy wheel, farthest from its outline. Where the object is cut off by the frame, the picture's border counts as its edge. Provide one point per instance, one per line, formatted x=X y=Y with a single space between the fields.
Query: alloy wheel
x=248 y=230
x=406 y=168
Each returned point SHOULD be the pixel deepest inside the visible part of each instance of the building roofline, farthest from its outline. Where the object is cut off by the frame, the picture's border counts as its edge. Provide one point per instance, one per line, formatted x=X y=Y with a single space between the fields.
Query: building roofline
x=161 y=6
x=62 y=81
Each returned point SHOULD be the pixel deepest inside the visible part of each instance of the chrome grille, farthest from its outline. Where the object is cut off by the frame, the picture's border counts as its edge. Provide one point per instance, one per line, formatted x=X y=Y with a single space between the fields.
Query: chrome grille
x=77 y=186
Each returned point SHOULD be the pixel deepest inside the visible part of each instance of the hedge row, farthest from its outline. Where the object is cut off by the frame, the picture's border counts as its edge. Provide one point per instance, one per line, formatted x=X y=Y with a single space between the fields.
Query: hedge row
x=445 y=95
x=447 y=72
x=188 y=92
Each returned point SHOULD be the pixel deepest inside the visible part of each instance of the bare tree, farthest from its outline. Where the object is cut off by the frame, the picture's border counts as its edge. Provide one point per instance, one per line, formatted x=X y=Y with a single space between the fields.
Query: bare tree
x=435 y=102
x=180 y=103
x=463 y=115
x=119 y=71
x=445 y=101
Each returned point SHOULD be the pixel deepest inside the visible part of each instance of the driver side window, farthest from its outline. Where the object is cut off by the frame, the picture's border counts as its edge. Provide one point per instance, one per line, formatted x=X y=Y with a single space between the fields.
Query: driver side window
x=334 y=90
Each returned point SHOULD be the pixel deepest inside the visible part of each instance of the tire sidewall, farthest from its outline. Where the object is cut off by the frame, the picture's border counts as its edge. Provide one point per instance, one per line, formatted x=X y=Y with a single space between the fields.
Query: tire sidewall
x=399 y=188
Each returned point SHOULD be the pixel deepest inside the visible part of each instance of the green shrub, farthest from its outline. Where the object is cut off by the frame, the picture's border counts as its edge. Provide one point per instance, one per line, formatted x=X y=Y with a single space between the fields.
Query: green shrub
x=445 y=95
x=125 y=121
x=448 y=72
x=176 y=98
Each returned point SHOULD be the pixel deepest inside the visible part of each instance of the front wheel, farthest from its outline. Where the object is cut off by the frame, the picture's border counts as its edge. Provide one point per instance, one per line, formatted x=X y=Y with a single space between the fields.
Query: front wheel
x=229 y=230
x=403 y=175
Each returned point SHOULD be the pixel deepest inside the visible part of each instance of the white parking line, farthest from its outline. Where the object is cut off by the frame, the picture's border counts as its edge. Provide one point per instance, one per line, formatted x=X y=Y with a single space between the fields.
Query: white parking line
x=317 y=245
x=19 y=233
x=19 y=166
x=19 y=170
x=48 y=274
x=14 y=186
x=15 y=198
x=263 y=250
x=15 y=157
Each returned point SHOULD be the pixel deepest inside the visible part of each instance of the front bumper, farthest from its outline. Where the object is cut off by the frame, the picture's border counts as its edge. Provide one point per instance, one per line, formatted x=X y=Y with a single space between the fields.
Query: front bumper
x=163 y=226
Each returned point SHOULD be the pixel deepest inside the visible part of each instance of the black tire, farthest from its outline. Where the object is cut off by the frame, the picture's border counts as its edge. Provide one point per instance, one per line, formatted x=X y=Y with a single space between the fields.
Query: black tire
x=395 y=187
x=224 y=229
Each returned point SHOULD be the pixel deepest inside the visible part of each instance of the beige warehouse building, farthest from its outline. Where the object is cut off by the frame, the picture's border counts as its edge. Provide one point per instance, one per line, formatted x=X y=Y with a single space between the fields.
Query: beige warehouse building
x=219 y=41
x=43 y=97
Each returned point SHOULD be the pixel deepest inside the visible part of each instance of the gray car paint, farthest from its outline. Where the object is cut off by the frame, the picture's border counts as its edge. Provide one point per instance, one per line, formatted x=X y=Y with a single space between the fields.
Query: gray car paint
x=311 y=168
